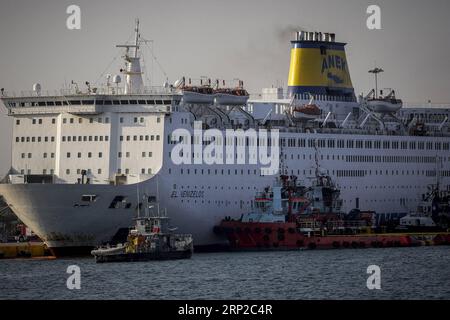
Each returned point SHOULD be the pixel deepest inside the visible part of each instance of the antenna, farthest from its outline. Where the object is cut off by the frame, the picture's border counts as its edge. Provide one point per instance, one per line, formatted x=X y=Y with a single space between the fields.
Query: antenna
x=136 y=42
x=376 y=71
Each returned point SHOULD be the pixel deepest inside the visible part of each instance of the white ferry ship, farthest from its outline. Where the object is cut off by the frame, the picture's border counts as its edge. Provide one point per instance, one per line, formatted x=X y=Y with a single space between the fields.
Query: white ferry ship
x=84 y=159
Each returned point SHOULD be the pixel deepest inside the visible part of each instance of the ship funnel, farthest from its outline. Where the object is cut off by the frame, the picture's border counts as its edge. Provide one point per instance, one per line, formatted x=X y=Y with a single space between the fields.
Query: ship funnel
x=319 y=67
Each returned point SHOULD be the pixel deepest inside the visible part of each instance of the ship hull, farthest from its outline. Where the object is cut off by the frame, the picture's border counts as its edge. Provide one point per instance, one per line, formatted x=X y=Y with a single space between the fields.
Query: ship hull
x=69 y=228
x=251 y=236
x=144 y=256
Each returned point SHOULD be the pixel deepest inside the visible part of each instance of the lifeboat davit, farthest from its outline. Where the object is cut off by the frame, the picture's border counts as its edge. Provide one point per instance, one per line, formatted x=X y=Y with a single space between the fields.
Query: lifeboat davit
x=306 y=112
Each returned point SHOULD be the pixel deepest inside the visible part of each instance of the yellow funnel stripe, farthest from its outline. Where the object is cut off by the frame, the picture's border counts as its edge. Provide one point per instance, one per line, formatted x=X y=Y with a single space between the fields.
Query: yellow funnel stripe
x=310 y=68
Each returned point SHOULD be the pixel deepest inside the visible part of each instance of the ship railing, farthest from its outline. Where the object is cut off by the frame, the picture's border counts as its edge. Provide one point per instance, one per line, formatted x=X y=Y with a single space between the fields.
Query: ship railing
x=74 y=92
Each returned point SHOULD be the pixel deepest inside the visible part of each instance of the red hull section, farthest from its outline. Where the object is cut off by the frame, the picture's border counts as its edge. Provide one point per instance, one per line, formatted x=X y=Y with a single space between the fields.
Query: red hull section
x=285 y=236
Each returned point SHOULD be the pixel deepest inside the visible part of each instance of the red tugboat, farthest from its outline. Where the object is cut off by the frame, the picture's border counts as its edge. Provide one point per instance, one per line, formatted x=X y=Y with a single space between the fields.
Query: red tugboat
x=289 y=216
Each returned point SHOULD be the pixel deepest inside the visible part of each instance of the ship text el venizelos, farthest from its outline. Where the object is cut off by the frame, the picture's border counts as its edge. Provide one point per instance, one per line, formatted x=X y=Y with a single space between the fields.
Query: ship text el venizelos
x=85 y=157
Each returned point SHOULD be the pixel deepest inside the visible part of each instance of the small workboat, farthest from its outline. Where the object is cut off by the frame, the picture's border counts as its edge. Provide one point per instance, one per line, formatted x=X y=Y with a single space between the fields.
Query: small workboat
x=307 y=112
x=150 y=239
x=195 y=94
x=380 y=104
x=231 y=96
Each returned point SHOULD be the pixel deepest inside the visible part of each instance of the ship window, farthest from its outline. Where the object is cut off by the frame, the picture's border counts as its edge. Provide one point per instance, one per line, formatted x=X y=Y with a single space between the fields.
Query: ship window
x=65 y=103
x=133 y=102
x=75 y=102
x=17 y=122
x=107 y=102
x=167 y=102
x=34 y=121
x=71 y=120
x=99 y=102
x=141 y=101
x=150 y=101
x=159 y=102
x=135 y=120
x=116 y=102
x=141 y=120
x=123 y=101
x=53 y=121
x=50 y=103
x=41 y=103
x=88 y=197
x=119 y=202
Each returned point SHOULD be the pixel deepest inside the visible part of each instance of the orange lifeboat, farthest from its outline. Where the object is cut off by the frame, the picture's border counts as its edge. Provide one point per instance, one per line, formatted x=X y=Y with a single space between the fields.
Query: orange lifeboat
x=307 y=112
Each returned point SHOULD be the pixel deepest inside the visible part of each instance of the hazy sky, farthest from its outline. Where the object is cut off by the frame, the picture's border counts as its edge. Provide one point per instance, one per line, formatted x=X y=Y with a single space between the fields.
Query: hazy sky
x=226 y=39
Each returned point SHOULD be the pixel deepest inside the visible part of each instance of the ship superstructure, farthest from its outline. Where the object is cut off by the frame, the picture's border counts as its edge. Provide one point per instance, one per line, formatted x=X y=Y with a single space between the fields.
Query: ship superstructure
x=85 y=156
